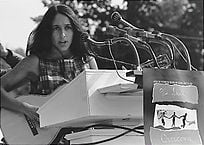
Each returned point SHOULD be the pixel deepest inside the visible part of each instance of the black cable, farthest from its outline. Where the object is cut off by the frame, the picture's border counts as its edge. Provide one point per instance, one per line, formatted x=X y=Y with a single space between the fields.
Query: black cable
x=112 y=138
x=116 y=126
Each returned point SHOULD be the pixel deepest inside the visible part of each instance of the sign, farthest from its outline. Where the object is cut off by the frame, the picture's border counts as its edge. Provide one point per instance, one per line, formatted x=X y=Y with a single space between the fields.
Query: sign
x=173 y=107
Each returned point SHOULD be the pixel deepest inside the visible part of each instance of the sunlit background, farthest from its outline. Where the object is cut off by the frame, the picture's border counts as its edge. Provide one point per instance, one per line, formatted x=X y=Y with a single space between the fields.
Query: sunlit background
x=16 y=22
x=181 y=18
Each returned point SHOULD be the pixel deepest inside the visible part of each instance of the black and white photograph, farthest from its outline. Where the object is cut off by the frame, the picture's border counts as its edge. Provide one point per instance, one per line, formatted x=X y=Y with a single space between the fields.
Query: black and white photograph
x=83 y=72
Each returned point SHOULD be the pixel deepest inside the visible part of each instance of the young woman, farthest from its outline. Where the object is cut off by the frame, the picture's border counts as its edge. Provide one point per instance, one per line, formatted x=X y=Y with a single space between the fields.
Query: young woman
x=56 y=56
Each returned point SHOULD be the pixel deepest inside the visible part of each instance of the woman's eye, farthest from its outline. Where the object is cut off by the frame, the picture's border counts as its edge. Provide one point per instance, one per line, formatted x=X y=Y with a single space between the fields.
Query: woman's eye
x=55 y=28
x=68 y=27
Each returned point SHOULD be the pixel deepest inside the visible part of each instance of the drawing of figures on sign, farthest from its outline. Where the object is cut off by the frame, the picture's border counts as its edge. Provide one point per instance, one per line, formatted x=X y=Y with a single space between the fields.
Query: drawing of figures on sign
x=172 y=117
x=161 y=114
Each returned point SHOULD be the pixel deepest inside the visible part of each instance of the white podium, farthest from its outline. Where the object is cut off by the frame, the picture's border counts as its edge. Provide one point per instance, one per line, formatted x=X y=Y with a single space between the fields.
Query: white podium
x=96 y=135
x=94 y=96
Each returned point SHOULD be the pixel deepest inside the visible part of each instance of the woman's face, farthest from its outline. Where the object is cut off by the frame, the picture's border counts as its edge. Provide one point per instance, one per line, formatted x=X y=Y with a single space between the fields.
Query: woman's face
x=62 y=33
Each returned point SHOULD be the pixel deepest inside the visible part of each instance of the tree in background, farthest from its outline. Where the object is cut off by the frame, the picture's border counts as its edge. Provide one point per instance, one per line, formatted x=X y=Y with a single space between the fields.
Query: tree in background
x=180 y=18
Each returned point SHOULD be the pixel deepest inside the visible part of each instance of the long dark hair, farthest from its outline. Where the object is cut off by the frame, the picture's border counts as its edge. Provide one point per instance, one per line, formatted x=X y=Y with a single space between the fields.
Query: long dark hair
x=40 y=42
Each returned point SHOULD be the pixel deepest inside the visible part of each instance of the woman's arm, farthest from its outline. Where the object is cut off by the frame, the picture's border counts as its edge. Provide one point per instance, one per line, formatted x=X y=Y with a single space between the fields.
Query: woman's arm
x=26 y=70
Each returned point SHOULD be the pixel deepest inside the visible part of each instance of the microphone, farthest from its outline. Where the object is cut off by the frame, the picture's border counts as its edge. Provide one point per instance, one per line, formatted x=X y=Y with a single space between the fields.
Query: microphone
x=86 y=38
x=140 y=43
x=113 y=30
x=143 y=34
x=118 y=18
x=117 y=31
x=132 y=30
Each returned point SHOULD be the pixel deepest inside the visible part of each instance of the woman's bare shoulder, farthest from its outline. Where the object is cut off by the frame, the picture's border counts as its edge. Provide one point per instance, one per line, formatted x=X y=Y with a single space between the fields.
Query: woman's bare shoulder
x=31 y=63
x=31 y=59
x=28 y=65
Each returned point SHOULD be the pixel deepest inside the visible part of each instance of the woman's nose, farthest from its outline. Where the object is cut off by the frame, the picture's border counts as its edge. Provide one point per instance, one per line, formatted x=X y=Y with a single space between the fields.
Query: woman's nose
x=63 y=33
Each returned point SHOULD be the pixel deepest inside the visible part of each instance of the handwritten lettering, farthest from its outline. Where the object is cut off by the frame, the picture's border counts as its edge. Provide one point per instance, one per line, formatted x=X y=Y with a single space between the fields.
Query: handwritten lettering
x=171 y=90
x=166 y=139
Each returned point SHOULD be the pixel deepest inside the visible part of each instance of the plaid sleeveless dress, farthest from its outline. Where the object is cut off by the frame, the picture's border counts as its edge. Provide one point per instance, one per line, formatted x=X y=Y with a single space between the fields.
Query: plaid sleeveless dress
x=54 y=73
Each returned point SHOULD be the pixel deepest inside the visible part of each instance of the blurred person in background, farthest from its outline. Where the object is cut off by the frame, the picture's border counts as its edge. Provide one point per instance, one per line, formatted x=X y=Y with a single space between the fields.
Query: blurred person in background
x=9 y=59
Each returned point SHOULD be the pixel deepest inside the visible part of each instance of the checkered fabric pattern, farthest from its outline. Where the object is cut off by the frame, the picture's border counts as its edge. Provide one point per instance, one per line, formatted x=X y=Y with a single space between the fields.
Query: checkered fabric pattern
x=55 y=73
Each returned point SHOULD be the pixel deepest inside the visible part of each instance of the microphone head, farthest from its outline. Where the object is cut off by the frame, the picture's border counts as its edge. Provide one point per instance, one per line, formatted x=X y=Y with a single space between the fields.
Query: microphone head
x=84 y=36
x=116 y=17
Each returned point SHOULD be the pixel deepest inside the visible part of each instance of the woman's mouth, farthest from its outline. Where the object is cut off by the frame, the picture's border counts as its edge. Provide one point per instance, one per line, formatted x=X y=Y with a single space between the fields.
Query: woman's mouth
x=62 y=43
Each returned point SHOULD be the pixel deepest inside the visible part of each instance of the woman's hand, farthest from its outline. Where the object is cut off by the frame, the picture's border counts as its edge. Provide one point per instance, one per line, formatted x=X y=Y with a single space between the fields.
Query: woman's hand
x=30 y=112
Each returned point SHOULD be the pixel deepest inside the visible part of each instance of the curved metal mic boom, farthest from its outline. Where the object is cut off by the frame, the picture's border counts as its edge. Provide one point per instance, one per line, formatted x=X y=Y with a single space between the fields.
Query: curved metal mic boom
x=170 y=38
x=86 y=38
x=115 y=31
x=138 y=42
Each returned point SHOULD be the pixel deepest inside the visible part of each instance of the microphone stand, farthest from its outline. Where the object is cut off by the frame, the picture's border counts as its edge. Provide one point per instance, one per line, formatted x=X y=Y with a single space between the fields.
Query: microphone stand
x=188 y=61
x=149 y=37
x=166 y=43
x=119 y=39
x=109 y=42
x=145 y=45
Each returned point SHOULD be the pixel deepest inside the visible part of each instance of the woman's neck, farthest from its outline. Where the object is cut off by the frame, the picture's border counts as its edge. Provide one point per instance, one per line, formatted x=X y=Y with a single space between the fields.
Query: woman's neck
x=56 y=54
